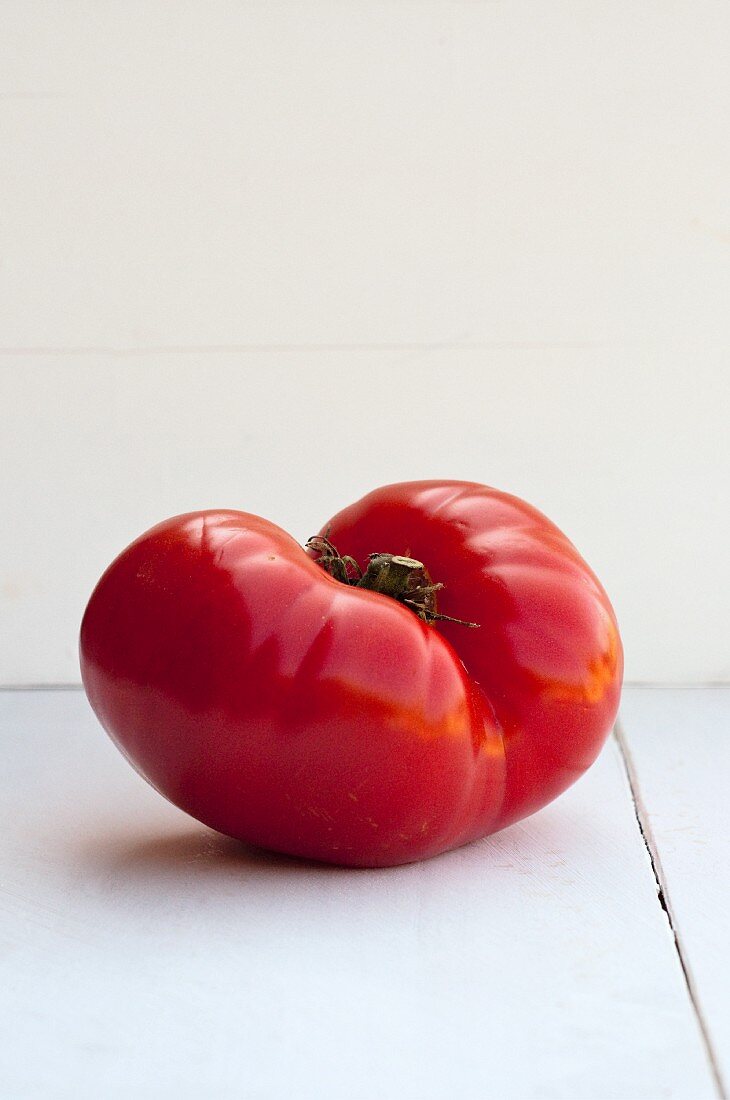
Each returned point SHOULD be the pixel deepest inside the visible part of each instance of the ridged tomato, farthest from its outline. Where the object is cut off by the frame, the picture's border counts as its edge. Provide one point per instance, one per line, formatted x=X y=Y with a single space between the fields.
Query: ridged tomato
x=276 y=696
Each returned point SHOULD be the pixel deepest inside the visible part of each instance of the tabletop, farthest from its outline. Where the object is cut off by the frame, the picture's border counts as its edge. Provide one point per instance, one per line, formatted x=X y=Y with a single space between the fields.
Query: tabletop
x=579 y=954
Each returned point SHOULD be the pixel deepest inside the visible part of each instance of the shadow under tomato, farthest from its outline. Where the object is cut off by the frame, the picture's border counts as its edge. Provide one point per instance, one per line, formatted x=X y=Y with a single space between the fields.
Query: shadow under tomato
x=198 y=854
x=198 y=850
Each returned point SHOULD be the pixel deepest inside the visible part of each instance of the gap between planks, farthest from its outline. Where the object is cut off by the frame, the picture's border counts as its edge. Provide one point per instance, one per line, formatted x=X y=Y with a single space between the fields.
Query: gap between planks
x=647 y=836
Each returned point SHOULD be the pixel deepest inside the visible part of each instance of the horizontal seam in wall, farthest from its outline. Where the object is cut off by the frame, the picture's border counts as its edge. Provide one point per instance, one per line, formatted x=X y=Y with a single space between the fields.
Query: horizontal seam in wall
x=232 y=349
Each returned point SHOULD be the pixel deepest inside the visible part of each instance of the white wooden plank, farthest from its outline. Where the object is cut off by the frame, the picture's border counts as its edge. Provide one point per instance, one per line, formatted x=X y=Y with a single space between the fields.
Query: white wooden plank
x=678 y=743
x=146 y=956
x=439 y=171
x=95 y=449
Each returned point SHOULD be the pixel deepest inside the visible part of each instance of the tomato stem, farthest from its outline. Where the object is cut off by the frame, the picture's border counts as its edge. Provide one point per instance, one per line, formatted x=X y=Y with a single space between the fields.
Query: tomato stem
x=404 y=579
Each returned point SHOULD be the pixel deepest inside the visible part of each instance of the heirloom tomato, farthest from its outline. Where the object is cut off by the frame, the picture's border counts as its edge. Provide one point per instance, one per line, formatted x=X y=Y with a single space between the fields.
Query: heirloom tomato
x=438 y=663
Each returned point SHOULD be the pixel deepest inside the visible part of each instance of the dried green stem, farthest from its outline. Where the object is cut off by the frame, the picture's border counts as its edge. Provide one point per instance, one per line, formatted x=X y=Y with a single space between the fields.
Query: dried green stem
x=403 y=579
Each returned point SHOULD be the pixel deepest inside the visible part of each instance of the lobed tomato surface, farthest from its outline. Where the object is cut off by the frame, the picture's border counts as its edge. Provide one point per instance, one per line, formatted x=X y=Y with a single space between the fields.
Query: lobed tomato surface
x=282 y=707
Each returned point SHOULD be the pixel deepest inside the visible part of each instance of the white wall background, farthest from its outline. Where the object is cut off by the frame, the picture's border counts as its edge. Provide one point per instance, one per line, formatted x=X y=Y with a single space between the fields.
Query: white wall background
x=270 y=255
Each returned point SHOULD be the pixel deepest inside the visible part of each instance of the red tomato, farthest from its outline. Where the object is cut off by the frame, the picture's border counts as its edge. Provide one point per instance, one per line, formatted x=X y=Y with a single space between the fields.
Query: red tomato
x=285 y=708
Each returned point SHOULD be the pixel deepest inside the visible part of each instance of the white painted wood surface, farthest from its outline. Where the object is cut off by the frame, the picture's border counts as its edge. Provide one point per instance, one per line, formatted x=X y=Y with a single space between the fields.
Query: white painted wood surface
x=324 y=172
x=95 y=449
x=272 y=254
x=145 y=956
x=678 y=748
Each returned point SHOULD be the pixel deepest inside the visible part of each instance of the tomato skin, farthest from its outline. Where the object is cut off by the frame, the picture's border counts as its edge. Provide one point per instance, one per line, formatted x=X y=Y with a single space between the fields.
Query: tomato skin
x=283 y=708
x=547 y=654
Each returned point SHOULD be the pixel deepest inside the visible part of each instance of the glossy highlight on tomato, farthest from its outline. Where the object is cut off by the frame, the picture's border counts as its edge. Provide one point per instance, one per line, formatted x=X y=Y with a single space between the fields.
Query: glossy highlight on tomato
x=297 y=713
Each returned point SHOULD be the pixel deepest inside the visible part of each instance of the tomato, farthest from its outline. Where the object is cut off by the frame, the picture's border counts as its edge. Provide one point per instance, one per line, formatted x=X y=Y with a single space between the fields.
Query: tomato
x=266 y=691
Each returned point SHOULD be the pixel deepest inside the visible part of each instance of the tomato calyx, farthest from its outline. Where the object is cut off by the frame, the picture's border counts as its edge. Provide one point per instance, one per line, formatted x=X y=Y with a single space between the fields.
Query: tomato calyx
x=403 y=579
